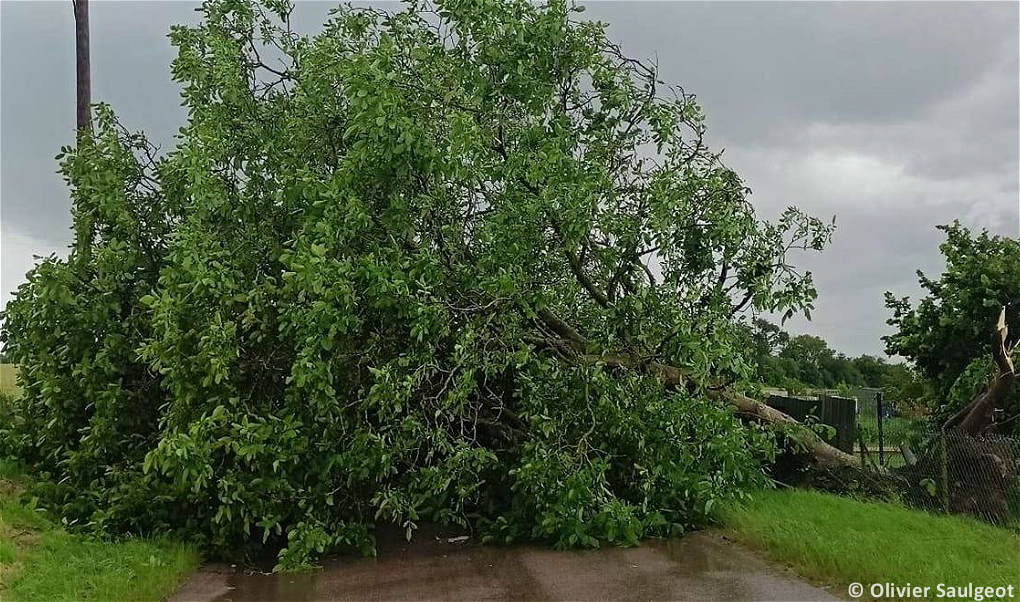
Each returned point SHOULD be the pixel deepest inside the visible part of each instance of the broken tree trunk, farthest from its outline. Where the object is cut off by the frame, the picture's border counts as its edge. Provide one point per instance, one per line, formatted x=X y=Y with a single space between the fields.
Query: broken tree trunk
x=976 y=418
x=826 y=456
x=570 y=342
x=976 y=473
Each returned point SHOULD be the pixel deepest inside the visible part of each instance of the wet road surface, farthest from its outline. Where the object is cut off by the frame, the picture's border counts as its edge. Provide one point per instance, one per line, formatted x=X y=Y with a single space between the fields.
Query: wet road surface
x=701 y=566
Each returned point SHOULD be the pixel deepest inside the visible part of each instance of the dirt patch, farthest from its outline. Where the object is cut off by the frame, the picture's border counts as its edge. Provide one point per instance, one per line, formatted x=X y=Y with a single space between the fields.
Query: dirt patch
x=8 y=570
x=13 y=539
x=9 y=488
x=20 y=537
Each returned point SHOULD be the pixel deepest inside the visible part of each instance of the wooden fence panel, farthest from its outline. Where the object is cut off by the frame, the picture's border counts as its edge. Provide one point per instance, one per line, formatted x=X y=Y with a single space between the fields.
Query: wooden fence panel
x=837 y=412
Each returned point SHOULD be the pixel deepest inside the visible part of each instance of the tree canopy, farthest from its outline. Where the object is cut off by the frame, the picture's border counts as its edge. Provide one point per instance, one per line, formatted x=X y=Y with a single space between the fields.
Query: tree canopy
x=441 y=264
x=946 y=335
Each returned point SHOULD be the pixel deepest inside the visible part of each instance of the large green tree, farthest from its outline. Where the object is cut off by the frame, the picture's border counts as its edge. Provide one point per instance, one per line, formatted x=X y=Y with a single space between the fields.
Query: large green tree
x=951 y=334
x=466 y=262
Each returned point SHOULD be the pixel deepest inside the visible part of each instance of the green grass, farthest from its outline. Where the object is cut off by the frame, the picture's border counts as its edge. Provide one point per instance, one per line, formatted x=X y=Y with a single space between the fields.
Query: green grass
x=41 y=561
x=838 y=541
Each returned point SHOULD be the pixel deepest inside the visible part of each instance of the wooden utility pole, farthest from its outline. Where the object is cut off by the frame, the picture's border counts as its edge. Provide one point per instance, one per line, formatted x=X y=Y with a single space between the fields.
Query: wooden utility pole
x=83 y=82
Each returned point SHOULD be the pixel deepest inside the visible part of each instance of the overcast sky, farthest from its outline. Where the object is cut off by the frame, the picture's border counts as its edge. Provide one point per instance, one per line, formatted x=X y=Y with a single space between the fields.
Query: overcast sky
x=894 y=117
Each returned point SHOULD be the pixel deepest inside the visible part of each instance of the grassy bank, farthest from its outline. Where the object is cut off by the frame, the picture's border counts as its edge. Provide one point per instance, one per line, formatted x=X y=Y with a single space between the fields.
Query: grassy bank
x=41 y=561
x=838 y=541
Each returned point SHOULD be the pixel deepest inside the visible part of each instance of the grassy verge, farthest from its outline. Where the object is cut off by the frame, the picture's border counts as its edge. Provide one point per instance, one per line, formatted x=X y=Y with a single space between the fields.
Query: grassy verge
x=838 y=541
x=41 y=561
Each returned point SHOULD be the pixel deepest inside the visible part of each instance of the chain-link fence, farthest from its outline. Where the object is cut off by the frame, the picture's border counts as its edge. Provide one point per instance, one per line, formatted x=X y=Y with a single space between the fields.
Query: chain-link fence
x=924 y=466
x=944 y=471
x=949 y=471
x=882 y=432
x=870 y=438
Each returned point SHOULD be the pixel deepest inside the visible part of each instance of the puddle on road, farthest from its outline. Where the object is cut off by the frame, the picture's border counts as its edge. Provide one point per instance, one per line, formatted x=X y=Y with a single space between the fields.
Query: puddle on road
x=697 y=567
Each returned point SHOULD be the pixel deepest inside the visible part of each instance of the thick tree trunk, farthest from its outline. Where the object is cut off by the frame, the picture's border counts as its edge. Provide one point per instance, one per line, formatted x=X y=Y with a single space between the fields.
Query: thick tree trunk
x=574 y=344
x=826 y=456
x=976 y=419
x=982 y=472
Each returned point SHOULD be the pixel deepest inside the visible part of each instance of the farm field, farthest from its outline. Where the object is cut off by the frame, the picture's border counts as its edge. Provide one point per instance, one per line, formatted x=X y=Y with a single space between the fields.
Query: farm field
x=8 y=379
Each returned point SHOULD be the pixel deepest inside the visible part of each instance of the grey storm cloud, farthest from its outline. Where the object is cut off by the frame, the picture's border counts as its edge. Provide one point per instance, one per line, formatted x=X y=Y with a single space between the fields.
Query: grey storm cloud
x=894 y=117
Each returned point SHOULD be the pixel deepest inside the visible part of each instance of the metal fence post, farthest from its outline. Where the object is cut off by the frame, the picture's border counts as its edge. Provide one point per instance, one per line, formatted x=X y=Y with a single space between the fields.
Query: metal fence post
x=945 y=471
x=881 y=443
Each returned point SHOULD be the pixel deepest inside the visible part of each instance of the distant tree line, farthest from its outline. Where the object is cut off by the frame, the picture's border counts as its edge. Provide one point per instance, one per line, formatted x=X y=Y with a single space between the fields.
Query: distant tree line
x=800 y=362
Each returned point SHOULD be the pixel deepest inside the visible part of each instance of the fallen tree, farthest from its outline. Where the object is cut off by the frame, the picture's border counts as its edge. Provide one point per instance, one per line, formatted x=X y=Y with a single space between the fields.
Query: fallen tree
x=466 y=263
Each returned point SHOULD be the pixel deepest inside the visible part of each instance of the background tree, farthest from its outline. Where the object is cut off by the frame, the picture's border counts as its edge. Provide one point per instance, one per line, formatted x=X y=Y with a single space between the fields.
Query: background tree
x=806 y=361
x=873 y=370
x=947 y=334
x=813 y=359
x=766 y=340
x=908 y=392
